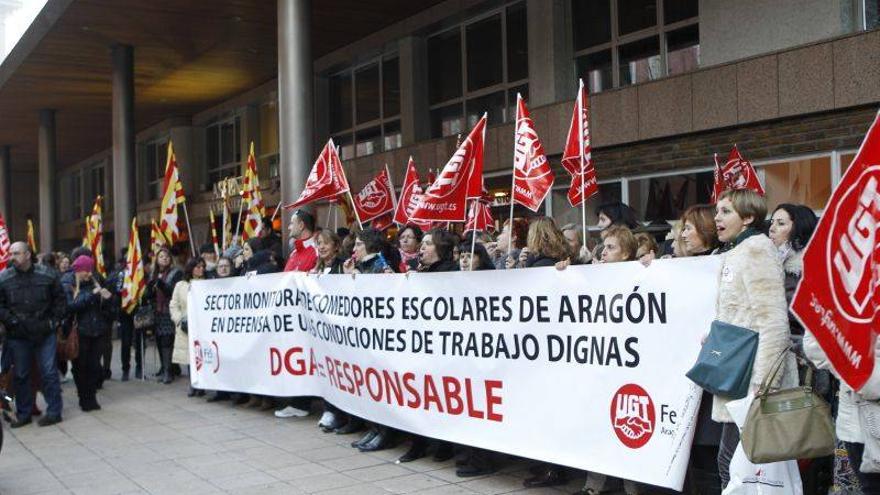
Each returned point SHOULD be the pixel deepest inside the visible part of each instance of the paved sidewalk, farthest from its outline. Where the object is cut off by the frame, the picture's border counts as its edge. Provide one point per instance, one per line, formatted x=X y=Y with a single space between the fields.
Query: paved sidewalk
x=151 y=438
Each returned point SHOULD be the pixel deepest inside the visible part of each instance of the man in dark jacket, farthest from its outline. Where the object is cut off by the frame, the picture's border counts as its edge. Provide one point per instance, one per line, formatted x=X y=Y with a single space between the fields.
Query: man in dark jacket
x=32 y=304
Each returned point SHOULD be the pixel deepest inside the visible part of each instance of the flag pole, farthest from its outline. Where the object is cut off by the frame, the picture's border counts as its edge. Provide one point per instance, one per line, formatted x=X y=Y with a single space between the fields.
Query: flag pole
x=223 y=225
x=335 y=217
x=512 y=184
x=240 y=207
x=582 y=157
x=192 y=243
x=353 y=207
x=474 y=232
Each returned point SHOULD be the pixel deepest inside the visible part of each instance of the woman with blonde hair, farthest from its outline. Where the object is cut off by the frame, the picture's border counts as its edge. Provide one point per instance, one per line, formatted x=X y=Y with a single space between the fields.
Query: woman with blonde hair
x=751 y=294
x=618 y=244
x=546 y=243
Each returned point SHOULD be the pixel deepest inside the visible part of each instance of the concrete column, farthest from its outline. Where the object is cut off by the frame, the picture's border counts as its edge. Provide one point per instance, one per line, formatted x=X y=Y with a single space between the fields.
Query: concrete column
x=414 y=120
x=5 y=185
x=124 y=174
x=551 y=66
x=295 y=102
x=46 y=179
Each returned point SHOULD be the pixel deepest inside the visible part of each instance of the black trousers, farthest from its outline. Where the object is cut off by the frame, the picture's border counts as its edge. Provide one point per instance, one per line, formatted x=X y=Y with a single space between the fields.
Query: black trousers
x=106 y=355
x=129 y=337
x=87 y=369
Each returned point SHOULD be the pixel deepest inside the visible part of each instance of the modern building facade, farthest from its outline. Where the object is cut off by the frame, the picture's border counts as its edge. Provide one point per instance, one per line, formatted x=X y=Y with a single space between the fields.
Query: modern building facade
x=91 y=95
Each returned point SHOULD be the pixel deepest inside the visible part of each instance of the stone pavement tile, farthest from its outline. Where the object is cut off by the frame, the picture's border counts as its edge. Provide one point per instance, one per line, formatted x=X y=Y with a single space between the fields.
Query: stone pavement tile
x=92 y=478
x=19 y=459
x=355 y=461
x=243 y=443
x=448 y=490
x=114 y=487
x=76 y=465
x=276 y=488
x=492 y=485
x=222 y=470
x=362 y=489
x=323 y=482
x=380 y=472
x=328 y=453
x=255 y=478
x=427 y=464
x=410 y=483
x=299 y=471
x=28 y=481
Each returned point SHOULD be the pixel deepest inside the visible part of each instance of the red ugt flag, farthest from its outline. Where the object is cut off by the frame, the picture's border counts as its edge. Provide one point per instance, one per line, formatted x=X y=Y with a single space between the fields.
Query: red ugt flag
x=737 y=173
x=532 y=175
x=410 y=196
x=461 y=179
x=577 y=158
x=376 y=198
x=837 y=298
x=326 y=180
x=479 y=219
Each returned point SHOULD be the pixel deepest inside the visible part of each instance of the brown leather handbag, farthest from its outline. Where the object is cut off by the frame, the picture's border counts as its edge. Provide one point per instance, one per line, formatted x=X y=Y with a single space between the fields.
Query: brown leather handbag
x=68 y=347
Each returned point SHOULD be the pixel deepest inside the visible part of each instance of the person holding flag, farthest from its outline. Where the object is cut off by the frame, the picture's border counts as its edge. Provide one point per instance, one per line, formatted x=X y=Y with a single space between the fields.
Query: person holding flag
x=130 y=283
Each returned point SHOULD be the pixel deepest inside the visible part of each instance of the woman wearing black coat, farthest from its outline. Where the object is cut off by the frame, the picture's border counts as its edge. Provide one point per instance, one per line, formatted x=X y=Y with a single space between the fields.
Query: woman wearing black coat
x=93 y=309
x=164 y=276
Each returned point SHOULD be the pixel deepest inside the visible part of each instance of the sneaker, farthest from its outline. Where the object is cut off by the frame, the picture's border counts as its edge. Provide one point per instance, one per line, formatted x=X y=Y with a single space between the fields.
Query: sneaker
x=291 y=412
x=49 y=420
x=326 y=419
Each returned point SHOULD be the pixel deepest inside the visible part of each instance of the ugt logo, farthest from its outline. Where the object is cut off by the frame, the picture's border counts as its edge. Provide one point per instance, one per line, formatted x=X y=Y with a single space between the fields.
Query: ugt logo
x=852 y=244
x=632 y=415
x=207 y=356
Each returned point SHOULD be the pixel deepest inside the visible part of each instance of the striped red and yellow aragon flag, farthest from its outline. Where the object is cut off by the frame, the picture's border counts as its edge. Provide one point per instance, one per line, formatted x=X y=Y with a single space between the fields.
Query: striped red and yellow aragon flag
x=133 y=282
x=172 y=195
x=95 y=229
x=5 y=244
x=253 y=223
x=157 y=238
x=31 y=236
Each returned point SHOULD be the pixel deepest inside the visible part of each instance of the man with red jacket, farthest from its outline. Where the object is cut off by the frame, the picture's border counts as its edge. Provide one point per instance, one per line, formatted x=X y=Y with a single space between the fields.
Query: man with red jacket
x=303 y=257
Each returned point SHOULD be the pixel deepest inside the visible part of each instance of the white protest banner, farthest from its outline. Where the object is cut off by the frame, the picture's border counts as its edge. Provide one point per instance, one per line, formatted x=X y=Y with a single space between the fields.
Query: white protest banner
x=583 y=367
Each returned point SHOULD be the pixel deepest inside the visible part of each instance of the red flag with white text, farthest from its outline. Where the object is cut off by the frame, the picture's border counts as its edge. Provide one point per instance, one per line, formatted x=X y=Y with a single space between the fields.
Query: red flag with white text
x=737 y=173
x=479 y=217
x=326 y=179
x=460 y=180
x=837 y=299
x=577 y=158
x=532 y=174
x=376 y=198
x=410 y=196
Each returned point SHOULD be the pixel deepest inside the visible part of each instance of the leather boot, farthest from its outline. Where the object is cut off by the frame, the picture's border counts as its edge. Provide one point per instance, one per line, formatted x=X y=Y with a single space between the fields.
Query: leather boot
x=165 y=354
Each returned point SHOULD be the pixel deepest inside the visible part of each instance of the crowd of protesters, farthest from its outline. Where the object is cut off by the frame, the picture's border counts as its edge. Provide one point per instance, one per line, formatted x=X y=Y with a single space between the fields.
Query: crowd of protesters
x=764 y=257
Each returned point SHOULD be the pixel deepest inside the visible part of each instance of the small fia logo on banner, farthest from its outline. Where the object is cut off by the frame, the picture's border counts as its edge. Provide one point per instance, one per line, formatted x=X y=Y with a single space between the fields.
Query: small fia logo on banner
x=633 y=416
x=207 y=356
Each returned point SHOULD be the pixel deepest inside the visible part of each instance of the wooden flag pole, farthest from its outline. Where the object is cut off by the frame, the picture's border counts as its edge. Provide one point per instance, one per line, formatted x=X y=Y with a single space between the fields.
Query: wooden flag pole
x=192 y=243
x=225 y=213
x=474 y=232
x=335 y=217
x=240 y=207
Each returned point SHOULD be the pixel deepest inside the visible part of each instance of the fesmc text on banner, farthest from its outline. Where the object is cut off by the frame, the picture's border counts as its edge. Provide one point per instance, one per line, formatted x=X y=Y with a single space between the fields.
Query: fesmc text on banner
x=583 y=367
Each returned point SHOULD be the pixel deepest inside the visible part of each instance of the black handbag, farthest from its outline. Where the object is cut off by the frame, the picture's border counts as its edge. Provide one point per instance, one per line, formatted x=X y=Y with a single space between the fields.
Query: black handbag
x=145 y=317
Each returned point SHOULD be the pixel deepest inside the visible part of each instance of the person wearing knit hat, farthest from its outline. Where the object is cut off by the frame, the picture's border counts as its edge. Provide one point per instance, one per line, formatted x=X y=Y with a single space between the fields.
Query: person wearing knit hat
x=93 y=308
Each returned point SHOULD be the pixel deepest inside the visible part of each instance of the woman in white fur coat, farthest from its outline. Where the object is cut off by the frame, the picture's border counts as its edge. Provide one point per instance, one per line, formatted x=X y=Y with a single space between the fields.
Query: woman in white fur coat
x=195 y=270
x=750 y=295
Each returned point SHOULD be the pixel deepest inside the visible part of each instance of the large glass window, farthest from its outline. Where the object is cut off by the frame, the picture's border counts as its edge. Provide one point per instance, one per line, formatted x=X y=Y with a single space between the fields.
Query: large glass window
x=622 y=42
x=223 y=149
x=472 y=69
x=658 y=199
x=155 y=156
x=364 y=101
x=564 y=214
x=872 y=14
x=802 y=181
x=267 y=152
x=71 y=197
x=95 y=185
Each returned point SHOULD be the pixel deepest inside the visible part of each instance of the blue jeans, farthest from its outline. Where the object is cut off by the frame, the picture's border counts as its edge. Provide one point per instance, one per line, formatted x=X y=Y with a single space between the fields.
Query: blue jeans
x=24 y=351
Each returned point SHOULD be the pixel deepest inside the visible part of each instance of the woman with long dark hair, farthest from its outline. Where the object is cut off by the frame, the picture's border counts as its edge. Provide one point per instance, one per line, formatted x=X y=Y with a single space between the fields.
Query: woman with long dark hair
x=164 y=277
x=194 y=270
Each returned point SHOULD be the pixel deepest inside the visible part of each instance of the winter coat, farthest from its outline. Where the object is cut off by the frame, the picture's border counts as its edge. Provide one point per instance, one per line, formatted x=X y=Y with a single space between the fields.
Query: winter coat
x=32 y=303
x=177 y=308
x=537 y=261
x=371 y=263
x=161 y=288
x=441 y=266
x=847 y=422
x=751 y=295
x=334 y=267
x=94 y=315
x=793 y=268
